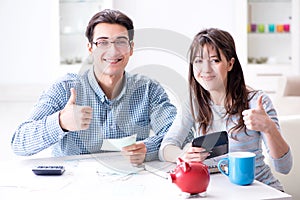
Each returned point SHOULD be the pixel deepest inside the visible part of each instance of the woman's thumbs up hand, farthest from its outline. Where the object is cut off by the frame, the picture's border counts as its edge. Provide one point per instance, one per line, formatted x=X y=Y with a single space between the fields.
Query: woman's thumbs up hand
x=257 y=119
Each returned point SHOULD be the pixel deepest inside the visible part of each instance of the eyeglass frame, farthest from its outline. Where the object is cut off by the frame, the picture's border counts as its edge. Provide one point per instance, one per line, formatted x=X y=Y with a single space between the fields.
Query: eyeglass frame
x=112 y=42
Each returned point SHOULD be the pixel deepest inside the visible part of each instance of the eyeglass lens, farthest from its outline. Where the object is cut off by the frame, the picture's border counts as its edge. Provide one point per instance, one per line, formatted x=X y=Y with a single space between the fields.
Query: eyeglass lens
x=120 y=43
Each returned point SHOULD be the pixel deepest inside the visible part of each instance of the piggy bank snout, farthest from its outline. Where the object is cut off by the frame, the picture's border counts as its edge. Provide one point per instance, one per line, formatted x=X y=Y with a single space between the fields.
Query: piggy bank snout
x=172 y=177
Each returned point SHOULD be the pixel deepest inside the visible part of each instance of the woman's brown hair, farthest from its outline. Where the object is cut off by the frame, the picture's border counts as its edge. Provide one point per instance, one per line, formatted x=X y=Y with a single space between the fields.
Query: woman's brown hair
x=236 y=99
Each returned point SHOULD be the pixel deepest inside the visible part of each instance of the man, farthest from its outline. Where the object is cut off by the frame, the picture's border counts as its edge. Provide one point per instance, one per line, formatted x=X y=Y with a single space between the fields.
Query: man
x=78 y=112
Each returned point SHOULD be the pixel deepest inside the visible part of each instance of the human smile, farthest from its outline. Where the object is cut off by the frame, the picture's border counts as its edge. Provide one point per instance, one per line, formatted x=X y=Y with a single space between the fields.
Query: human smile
x=112 y=61
x=207 y=78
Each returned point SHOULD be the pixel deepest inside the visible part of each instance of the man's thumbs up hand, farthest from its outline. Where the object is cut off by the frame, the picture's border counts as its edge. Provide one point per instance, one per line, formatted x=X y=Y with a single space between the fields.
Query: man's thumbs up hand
x=74 y=117
x=72 y=99
x=256 y=119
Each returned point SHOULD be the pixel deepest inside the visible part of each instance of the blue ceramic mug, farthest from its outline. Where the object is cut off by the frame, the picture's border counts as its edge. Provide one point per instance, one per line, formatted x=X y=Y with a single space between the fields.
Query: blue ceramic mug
x=241 y=167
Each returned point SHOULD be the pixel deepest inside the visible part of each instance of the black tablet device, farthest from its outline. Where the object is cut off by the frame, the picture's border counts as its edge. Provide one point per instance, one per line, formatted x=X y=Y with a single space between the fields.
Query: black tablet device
x=216 y=143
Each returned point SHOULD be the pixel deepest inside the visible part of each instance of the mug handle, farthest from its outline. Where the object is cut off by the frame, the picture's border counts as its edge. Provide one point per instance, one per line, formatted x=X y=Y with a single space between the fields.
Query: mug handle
x=220 y=168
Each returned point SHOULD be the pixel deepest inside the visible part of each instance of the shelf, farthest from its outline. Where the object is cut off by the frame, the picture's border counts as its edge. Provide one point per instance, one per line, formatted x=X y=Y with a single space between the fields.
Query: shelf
x=277 y=40
x=80 y=1
x=267 y=65
x=268 y=34
x=74 y=17
x=267 y=70
x=275 y=44
x=269 y=1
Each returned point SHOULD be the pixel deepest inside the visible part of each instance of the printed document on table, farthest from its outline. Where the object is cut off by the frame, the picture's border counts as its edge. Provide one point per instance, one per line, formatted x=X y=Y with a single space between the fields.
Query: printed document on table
x=118 y=143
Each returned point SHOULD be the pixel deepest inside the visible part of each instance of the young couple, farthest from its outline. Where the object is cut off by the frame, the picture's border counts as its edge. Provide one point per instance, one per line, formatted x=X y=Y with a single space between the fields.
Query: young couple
x=78 y=112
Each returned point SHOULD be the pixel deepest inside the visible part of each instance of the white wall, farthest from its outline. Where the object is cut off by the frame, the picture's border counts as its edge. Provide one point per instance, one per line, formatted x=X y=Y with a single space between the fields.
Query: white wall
x=186 y=17
x=29 y=56
x=189 y=17
x=29 y=41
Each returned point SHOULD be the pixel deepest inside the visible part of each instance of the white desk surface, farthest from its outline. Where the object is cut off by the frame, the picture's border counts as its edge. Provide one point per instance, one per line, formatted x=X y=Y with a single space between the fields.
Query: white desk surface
x=100 y=176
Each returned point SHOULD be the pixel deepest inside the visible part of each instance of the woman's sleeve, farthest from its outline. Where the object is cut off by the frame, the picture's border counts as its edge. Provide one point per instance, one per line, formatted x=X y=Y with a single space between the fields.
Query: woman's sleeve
x=284 y=164
x=179 y=133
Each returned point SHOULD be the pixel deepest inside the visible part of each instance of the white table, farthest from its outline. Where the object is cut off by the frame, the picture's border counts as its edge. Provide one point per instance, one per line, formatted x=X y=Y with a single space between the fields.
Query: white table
x=111 y=176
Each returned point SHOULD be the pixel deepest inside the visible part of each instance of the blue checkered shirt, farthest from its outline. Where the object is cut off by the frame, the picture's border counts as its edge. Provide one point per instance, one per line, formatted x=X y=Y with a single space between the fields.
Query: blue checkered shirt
x=142 y=105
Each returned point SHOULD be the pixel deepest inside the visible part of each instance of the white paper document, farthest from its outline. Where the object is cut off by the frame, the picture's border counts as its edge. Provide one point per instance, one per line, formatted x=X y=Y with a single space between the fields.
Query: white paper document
x=118 y=143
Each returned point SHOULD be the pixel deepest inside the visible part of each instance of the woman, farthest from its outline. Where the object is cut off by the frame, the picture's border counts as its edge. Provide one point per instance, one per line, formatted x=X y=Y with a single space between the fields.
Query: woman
x=220 y=101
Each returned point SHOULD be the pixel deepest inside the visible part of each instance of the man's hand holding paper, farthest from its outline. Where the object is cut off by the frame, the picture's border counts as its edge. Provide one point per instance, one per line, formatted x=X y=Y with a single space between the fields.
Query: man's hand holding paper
x=136 y=152
x=117 y=144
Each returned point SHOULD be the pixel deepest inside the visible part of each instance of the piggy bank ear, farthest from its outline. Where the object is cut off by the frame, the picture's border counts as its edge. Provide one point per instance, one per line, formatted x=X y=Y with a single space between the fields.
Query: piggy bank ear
x=184 y=166
x=179 y=161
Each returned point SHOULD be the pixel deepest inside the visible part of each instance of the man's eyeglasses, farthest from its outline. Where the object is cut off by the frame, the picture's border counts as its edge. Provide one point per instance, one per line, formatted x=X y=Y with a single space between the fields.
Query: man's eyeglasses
x=120 y=43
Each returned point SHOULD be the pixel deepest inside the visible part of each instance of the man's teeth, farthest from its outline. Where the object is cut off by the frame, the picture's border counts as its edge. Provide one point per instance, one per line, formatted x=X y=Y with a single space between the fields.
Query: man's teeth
x=113 y=60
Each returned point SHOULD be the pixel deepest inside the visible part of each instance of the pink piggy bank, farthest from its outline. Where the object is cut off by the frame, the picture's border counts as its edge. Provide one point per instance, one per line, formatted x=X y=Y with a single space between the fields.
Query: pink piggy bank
x=192 y=178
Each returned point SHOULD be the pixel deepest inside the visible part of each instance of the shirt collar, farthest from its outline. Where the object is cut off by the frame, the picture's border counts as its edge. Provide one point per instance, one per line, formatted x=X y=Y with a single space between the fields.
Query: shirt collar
x=98 y=90
x=95 y=86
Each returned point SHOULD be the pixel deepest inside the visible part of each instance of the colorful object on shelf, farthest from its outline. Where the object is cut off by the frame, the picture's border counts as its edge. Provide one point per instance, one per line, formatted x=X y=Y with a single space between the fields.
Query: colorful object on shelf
x=268 y=28
x=286 y=27
x=261 y=28
x=253 y=28
x=259 y=60
x=279 y=28
x=271 y=28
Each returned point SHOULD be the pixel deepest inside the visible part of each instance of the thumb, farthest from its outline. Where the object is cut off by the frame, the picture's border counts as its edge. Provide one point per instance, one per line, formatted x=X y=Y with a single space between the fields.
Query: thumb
x=72 y=99
x=259 y=103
